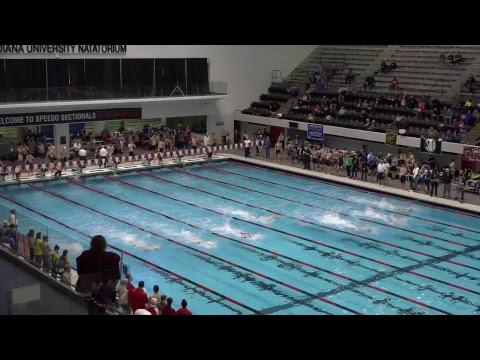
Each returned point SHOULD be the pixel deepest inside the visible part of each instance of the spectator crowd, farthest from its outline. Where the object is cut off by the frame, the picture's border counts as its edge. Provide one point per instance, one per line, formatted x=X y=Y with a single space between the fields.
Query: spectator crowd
x=98 y=273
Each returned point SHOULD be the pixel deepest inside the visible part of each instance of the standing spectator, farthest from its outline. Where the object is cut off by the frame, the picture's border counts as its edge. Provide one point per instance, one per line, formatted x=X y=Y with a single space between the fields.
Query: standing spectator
x=447 y=183
x=278 y=149
x=267 y=145
x=138 y=298
x=462 y=180
x=103 y=156
x=349 y=165
x=97 y=265
x=183 y=310
x=31 y=242
x=247 y=144
x=55 y=256
x=168 y=309
x=380 y=172
x=434 y=180
x=63 y=262
x=12 y=218
x=402 y=172
x=206 y=140
x=281 y=138
x=46 y=250
x=37 y=249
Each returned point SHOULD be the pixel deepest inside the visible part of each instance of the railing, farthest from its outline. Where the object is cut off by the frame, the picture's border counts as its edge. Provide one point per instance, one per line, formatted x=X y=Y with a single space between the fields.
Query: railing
x=91 y=92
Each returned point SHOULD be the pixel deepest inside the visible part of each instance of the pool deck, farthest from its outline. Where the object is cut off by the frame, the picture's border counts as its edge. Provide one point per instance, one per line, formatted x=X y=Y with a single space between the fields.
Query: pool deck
x=359 y=184
x=122 y=168
x=190 y=160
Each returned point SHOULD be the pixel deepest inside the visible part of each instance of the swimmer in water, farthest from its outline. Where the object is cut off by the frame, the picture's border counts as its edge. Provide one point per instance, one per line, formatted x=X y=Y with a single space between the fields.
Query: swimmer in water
x=246 y=235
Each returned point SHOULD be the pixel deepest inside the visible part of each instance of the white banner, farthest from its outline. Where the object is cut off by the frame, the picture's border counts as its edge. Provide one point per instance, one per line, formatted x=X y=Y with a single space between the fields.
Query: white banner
x=180 y=152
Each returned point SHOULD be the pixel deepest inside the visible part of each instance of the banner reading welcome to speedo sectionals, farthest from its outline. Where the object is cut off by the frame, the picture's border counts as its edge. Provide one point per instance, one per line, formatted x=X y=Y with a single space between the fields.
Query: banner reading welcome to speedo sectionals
x=63 y=117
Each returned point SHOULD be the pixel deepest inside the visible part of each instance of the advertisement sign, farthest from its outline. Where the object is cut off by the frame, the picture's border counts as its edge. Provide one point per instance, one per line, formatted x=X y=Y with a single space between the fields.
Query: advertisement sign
x=315 y=132
x=65 y=117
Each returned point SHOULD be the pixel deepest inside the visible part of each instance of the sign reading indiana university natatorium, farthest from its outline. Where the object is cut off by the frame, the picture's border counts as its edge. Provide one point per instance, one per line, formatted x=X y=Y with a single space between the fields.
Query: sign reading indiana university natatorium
x=66 y=117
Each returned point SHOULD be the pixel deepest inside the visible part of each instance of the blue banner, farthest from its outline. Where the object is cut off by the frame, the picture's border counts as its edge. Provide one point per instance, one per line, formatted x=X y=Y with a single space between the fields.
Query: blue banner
x=315 y=132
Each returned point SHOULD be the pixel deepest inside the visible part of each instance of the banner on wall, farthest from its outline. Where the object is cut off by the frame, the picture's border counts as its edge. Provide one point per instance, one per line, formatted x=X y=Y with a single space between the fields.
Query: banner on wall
x=471 y=153
x=431 y=145
x=66 y=117
x=315 y=132
x=391 y=137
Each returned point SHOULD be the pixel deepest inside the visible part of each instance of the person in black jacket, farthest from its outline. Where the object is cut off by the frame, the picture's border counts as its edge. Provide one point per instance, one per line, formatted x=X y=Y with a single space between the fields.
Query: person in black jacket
x=434 y=180
x=306 y=158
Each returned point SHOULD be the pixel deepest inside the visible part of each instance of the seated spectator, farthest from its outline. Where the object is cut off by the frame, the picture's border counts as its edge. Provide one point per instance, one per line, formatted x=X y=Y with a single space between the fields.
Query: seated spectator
x=162 y=303
x=97 y=265
x=443 y=58
x=395 y=83
x=369 y=83
x=168 y=309
x=183 y=310
x=152 y=306
x=349 y=78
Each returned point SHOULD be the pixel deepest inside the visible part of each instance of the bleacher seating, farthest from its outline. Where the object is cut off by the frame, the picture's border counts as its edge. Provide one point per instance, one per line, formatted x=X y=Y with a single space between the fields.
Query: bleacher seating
x=422 y=75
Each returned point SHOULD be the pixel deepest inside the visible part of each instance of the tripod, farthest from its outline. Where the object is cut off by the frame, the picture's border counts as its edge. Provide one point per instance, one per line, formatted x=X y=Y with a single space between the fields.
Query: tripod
x=177 y=88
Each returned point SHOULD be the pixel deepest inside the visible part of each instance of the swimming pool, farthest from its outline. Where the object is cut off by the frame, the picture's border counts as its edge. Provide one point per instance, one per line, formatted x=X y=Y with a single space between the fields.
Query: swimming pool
x=233 y=238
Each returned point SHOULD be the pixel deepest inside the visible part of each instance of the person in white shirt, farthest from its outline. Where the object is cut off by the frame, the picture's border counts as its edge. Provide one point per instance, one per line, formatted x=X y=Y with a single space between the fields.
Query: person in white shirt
x=247 y=144
x=206 y=140
x=415 y=177
x=12 y=218
x=103 y=156
x=386 y=169
x=194 y=142
x=380 y=172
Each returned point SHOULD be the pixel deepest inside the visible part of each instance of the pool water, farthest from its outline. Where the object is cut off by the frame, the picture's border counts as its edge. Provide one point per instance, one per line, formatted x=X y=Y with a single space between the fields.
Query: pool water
x=233 y=238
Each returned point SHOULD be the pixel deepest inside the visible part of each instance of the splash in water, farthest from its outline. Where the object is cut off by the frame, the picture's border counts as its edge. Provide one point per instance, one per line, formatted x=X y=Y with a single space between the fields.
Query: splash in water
x=73 y=248
x=188 y=237
x=134 y=241
x=247 y=215
x=340 y=222
x=372 y=214
x=228 y=229
x=383 y=204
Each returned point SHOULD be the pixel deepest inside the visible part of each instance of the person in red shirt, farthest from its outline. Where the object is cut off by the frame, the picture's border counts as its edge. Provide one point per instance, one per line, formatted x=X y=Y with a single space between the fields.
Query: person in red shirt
x=183 y=310
x=137 y=297
x=168 y=310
